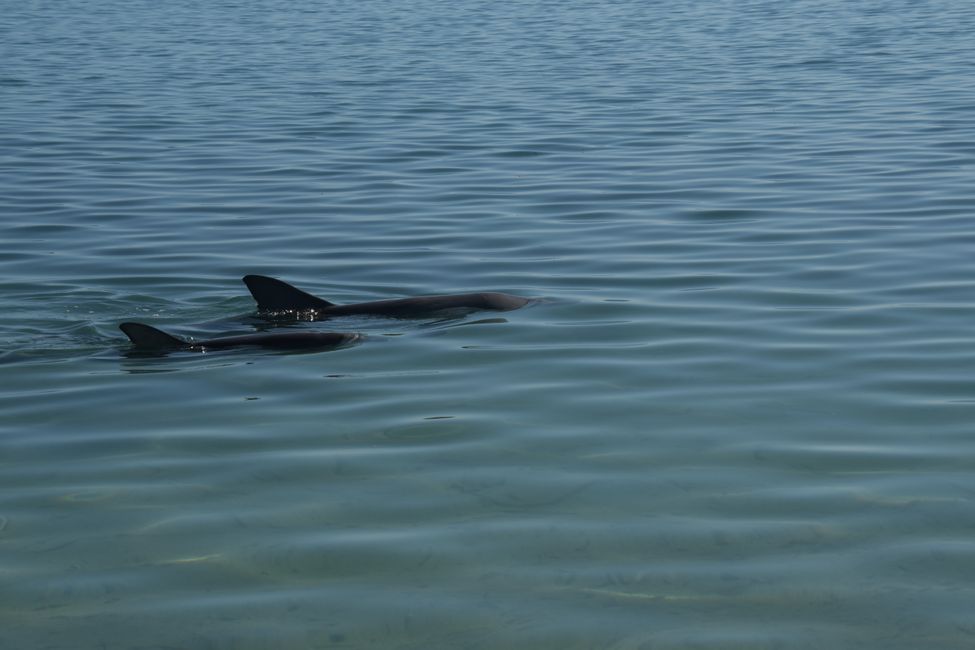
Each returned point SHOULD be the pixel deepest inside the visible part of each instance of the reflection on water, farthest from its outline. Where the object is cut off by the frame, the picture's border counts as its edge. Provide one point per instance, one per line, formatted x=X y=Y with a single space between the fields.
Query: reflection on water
x=738 y=415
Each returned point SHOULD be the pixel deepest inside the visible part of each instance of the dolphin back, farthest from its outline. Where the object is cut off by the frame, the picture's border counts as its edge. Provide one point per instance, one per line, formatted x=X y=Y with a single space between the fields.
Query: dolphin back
x=502 y=301
x=150 y=338
x=275 y=295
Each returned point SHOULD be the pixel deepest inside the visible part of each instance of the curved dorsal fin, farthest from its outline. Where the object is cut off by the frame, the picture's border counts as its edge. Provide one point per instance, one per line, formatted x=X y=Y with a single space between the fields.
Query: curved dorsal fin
x=144 y=336
x=275 y=295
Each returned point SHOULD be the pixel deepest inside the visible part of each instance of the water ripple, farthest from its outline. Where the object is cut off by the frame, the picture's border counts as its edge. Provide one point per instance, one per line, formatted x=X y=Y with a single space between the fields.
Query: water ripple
x=743 y=397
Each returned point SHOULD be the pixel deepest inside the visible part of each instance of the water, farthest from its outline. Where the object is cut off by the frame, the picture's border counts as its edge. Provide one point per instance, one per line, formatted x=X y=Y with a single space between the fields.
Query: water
x=741 y=416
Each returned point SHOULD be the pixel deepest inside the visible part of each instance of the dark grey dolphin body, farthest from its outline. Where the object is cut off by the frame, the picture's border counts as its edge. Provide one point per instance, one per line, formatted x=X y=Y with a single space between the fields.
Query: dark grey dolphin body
x=145 y=337
x=275 y=295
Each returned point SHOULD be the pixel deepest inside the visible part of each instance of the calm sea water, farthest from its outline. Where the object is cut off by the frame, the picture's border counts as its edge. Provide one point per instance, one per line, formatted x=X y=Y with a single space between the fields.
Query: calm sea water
x=742 y=416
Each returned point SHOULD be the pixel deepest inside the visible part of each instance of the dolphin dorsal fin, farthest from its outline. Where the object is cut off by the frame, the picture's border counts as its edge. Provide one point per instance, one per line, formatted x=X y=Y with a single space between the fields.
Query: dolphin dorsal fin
x=275 y=295
x=144 y=336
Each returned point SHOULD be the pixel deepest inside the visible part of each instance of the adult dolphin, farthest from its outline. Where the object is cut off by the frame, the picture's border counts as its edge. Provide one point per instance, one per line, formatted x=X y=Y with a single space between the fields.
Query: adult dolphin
x=274 y=295
x=146 y=337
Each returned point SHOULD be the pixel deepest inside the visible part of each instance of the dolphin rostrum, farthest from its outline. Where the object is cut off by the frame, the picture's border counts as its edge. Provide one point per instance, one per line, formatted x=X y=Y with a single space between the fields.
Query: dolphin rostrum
x=145 y=337
x=275 y=295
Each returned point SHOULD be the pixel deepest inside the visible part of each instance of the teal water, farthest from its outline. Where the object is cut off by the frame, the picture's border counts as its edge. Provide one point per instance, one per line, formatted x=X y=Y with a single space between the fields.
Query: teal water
x=741 y=416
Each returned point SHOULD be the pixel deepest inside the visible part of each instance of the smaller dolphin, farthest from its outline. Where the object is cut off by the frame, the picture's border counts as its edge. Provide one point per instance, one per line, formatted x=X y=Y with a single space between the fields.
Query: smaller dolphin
x=275 y=295
x=145 y=337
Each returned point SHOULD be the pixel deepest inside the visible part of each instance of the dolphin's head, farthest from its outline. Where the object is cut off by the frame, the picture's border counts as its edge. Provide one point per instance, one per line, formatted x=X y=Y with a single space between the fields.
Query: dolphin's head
x=502 y=301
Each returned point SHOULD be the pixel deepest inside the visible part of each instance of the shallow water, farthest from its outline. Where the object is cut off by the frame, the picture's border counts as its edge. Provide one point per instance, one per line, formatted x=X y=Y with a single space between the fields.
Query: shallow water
x=740 y=416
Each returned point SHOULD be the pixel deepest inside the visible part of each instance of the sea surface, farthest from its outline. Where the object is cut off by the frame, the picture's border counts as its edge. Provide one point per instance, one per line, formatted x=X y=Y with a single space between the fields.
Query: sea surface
x=740 y=415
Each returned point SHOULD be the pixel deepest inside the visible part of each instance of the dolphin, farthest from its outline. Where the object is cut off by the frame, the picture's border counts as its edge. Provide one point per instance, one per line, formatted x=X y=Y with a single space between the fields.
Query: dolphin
x=274 y=295
x=146 y=337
